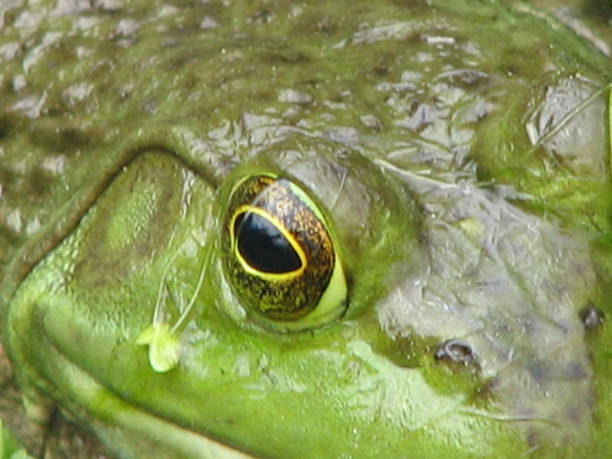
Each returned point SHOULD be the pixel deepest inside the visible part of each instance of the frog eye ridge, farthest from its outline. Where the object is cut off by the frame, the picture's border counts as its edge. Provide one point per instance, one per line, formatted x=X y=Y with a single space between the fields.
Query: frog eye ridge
x=279 y=254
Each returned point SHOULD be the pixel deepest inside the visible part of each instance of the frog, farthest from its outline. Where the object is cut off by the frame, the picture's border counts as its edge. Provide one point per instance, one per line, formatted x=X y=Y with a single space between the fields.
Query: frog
x=307 y=229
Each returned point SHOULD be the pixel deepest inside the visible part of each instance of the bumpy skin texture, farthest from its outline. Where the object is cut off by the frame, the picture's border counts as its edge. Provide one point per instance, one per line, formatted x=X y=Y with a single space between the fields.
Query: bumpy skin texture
x=459 y=151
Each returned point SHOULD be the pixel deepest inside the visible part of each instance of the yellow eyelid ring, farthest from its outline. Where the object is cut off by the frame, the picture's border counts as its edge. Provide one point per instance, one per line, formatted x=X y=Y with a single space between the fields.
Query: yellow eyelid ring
x=271 y=276
x=280 y=254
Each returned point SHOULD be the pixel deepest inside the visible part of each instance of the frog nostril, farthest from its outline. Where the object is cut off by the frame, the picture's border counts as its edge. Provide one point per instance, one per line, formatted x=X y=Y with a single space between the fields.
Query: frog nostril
x=592 y=317
x=453 y=350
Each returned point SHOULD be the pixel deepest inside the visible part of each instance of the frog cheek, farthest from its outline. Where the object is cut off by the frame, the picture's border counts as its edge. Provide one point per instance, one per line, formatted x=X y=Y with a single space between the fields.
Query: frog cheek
x=280 y=257
x=73 y=321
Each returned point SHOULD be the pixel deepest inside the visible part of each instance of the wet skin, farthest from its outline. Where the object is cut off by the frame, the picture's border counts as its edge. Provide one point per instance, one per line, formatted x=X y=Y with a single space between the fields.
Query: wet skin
x=450 y=161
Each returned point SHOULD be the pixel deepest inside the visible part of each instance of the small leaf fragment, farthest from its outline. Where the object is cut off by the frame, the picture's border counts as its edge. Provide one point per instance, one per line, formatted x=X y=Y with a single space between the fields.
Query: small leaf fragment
x=164 y=346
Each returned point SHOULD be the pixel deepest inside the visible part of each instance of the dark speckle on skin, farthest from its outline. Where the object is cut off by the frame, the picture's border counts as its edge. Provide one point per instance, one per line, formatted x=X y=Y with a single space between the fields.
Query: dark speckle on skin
x=575 y=414
x=542 y=371
x=538 y=371
x=533 y=441
x=577 y=371
x=592 y=317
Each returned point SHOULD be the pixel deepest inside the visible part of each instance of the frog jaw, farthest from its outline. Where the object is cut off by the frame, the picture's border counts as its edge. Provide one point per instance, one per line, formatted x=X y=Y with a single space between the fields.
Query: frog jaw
x=134 y=432
x=42 y=303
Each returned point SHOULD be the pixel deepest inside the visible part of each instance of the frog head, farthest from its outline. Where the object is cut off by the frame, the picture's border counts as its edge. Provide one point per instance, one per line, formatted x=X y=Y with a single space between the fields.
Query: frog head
x=377 y=240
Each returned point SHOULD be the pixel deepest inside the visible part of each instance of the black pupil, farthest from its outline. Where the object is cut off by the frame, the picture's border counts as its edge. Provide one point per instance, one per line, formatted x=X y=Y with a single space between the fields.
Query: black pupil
x=263 y=246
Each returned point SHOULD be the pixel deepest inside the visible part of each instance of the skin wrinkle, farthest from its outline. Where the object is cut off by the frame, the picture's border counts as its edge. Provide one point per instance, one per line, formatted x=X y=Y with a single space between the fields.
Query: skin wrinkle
x=513 y=359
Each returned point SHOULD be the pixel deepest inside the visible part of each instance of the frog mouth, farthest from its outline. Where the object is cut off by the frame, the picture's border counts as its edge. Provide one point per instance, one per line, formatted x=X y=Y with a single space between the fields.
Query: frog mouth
x=84 y=397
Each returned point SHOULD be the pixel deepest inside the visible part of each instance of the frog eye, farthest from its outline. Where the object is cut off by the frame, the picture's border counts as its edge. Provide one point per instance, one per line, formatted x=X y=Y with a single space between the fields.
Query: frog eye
x=279 y=254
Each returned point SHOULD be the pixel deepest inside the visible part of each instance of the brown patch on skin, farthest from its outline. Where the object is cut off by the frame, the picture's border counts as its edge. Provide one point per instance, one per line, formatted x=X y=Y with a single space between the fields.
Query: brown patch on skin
x=484 y=392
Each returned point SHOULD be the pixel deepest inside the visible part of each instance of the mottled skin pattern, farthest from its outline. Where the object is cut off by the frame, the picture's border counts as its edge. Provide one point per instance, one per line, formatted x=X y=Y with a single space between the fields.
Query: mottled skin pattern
x=464 y=169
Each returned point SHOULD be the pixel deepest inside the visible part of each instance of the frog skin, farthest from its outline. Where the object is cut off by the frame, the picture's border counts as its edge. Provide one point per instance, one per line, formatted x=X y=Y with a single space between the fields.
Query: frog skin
x=453 y=157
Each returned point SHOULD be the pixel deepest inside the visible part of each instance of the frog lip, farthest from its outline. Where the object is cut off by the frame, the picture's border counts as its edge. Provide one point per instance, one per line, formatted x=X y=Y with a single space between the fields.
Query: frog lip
x=86 y=397
x=121 y=425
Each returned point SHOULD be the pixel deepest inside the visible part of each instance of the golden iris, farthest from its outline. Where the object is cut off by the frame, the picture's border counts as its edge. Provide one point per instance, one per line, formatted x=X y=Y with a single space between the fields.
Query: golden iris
x=279 y=255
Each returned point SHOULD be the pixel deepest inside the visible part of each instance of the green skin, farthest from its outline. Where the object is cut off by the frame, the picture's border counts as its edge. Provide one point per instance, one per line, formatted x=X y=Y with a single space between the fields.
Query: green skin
x=464 y=178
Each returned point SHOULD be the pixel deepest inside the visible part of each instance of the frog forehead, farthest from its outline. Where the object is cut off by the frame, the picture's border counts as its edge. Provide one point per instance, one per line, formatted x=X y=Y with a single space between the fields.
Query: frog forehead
x=205 y=77
x=397 y=124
